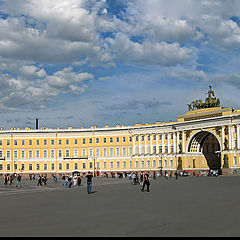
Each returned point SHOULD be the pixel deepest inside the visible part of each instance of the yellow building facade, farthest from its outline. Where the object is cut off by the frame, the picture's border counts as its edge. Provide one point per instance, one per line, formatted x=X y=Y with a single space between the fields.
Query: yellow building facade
x=199 y=140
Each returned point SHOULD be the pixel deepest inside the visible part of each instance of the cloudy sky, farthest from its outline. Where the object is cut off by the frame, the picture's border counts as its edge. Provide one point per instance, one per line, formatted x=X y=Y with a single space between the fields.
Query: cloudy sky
x=106 y=62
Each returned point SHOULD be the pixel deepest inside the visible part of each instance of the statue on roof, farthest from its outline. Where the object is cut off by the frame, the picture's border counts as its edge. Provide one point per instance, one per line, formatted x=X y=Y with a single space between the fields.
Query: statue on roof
x=210 y=101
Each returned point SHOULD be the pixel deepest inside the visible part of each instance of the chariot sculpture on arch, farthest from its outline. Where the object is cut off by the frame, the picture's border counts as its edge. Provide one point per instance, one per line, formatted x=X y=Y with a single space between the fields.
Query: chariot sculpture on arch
x=210 y=101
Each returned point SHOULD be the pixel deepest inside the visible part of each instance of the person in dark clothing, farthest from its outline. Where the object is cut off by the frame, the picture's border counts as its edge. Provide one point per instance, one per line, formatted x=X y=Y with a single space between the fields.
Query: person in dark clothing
x=39 y=180
x=146 y=181
x=79 y=180
x=19 y=180
x=89 y=177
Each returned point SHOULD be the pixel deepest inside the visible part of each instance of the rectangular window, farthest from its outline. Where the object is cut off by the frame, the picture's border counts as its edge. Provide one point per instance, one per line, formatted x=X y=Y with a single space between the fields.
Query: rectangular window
x=165 y=163
x=1 y=167
x=90 y=150
x=52 y=142
x=37 y=153
x=84 y=141
x=76 y=166
x=75 y=141
x=111 y=164
x=8 y=153
x=148 y=163
x=60 y=142
x=130 y=139
x=130 y=151
x=30 y=142
x=37 y=166
x=0 y=142
x=124 y=151
x=45 y=142
x=171 y=163
x=111 y=140
x=8 y=142
x=52 y=153
x=60 y=166
x=30 y=167
x=52 y=166
x=234 y=160
x=67 y=153
x=23 y=142
x=97 y=152
x=23 y=153
x=90 y=165
x=124 y=139
x=37 y=142
x=45 y=166
x=154 y=163
x=130 y=164
x=118 y=164
x=124 y=164
x=117 y=151
x=104 y=152
x=84 y=151
x=97 y=140
x=8 y=167
x=90 y=140
x=104 y=165
x=22 y=166
x=15 y=154
x=117 y=139
x=111 y=152
x=104 y=140
x=60 y=153
x=1 y=153
x=75 y=152
x=136 y=164
x=30 y=154
x=15 y=142
x=142 y=164
x=15 y=166
x=84 y=166
x=45 y=153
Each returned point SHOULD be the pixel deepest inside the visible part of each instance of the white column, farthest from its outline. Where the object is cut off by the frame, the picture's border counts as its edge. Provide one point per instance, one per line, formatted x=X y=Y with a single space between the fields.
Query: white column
x=157 y=146
x=230 y=136
x=163 y=145
x=223 y=138
x=174 y=142
x=151 y=145
x=177 y=142
x=168 y=140
x=139 y=144
x=133 y=147
x=183 y=141
x=238 y=144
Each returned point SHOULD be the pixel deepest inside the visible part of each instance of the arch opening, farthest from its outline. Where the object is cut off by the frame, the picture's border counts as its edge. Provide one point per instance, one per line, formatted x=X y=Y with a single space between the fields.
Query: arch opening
x=206 y=144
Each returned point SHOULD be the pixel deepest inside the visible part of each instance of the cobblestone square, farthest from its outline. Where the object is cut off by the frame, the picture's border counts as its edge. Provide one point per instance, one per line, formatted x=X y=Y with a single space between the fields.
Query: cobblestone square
x=188 y=206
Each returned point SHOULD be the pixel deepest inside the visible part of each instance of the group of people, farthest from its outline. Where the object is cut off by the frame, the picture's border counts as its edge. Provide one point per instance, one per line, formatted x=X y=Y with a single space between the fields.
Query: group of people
x=71 y=180
x=42 y=180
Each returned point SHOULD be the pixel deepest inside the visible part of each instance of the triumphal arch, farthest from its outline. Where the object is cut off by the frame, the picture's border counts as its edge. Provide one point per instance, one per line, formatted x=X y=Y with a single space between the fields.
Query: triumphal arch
x=206 y=137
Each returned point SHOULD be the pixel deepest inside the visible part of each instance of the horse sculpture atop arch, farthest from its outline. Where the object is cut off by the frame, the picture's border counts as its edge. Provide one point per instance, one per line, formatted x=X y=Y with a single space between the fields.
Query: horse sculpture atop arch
x=210 y=101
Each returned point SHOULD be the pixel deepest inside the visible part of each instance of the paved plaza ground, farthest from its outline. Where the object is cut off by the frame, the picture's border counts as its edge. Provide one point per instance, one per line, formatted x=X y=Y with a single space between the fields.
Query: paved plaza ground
x=188 y=206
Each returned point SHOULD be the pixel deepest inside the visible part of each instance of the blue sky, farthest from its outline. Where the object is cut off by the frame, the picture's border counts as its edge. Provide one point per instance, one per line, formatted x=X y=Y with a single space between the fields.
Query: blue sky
x=106 y=62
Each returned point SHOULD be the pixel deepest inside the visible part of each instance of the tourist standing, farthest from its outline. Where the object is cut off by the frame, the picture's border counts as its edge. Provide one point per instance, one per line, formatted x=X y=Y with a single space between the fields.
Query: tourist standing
x=79 y=180
x=89 y=182
x=19 y=180
x=39 y=180
x=141 y=179
x=146 y=181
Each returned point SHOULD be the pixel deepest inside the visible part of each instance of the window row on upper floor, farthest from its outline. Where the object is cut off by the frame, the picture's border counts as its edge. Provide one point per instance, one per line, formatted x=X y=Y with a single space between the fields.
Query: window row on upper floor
x=76 y=141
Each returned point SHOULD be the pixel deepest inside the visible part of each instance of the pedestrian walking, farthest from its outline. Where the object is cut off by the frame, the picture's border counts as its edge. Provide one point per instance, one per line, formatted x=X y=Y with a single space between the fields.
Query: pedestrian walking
x=146 y=181
x=5 y=179
x=89 y=182
x=74 y=180
x=141 y=179
x=19 y=180
x=79 y=180
x=39 y=180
